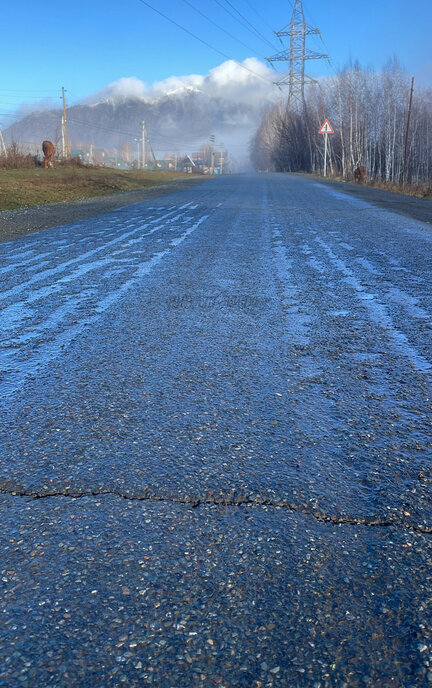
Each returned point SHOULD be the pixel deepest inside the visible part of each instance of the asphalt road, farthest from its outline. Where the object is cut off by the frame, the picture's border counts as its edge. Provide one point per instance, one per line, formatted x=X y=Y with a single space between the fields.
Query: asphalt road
x=21 y=221
x=215 y=444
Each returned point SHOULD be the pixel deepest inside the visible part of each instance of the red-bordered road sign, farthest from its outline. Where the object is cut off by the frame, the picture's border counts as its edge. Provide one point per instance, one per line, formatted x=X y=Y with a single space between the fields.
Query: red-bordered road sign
x=326 y=128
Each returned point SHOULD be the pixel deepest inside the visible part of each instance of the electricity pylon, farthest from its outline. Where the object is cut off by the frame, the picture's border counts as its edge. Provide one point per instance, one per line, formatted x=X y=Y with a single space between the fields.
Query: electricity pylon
x=296 y=55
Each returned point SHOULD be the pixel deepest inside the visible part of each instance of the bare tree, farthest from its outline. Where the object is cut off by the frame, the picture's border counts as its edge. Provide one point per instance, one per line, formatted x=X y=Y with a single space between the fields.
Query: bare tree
x=369 y=112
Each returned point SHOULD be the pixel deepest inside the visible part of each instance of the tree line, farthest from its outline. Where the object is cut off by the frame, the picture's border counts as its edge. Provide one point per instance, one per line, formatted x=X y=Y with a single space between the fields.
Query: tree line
x=368 y=111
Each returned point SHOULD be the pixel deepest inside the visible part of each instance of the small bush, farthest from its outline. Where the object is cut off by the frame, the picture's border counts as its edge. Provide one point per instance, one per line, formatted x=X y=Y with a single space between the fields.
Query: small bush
x=15 y=158
x=75 y=161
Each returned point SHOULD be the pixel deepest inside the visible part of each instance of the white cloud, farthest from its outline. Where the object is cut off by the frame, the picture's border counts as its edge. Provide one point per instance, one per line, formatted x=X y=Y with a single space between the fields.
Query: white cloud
x=123 y=89
x=249 y=82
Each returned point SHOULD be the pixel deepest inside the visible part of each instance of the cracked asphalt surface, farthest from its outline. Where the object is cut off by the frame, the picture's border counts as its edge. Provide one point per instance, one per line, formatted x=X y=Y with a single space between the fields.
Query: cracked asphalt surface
x=215 y=443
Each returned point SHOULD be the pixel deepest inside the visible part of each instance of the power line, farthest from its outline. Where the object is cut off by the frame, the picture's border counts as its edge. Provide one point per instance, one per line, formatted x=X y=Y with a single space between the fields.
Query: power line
x=258 y=15
x=100 y=127
x=21 y=98
x=183 y=28
x=129 y=134
x=312 y=18
x=161 y=142
x=261 y=35
x=19 y=90
x=219 y=27
x=244 y=23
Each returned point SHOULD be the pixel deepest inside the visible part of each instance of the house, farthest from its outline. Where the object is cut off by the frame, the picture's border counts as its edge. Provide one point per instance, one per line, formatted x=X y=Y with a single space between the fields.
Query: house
x=187 y=164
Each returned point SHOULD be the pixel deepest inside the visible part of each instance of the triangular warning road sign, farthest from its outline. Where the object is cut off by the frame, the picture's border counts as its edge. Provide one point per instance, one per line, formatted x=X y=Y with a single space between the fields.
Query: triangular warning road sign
x=326 y=128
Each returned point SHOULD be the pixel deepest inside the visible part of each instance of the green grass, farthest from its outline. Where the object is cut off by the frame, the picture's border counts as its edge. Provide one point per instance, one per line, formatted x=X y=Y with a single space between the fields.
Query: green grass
x=26 y=187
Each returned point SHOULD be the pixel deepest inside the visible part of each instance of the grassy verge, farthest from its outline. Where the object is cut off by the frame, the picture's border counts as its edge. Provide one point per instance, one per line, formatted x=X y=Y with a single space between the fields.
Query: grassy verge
x=26 y=187
x=420 y=191
x=417 y=190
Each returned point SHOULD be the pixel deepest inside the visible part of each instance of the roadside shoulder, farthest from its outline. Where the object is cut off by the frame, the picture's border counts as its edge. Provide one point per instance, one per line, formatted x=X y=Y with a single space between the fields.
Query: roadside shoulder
x=22 y=221
x=416 y=208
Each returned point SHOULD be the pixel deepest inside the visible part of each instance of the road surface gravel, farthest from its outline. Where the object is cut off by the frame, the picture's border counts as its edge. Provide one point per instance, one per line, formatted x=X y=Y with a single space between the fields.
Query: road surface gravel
x=215 y=464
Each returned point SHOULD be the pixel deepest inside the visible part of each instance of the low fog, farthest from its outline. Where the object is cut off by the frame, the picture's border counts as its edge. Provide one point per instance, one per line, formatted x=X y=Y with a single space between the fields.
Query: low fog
x=181 y=112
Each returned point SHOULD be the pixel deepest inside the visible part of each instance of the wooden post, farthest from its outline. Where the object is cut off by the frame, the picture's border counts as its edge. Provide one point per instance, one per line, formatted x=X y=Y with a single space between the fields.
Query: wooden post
x=64 y=124
x=405 y=162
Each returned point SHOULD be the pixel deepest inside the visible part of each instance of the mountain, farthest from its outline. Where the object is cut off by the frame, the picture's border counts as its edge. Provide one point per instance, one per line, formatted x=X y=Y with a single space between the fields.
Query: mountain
x=179 y=113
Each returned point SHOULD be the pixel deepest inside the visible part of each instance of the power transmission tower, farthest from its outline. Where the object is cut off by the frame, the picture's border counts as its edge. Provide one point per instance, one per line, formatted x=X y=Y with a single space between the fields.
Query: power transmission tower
x=296 y=55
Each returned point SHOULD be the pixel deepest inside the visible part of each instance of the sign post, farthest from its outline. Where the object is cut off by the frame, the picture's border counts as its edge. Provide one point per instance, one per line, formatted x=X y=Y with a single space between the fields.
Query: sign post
x=326 y=129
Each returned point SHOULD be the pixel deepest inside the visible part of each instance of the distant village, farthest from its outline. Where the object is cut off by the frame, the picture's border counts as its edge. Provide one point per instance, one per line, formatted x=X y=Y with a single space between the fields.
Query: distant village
x=205 y=161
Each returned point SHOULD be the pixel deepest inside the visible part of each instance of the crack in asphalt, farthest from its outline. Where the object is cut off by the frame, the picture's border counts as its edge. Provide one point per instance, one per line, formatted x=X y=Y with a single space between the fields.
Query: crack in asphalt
x=224 y=500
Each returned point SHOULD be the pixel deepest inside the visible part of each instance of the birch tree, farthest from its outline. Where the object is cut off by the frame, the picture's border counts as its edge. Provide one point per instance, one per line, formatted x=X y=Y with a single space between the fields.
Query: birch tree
x=368 y=111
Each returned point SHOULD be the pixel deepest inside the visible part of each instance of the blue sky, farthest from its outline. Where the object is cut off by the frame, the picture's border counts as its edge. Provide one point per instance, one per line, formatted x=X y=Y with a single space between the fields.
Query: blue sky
x=86 y=44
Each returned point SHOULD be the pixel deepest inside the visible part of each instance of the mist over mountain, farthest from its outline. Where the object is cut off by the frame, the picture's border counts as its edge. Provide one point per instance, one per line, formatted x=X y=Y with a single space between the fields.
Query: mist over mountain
x=180 y=112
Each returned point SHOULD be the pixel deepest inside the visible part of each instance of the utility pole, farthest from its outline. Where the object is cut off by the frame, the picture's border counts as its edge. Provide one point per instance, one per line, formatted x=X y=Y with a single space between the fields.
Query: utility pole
x=64 y=125
x=143 y=135
x=2 y=145
x=405 y=162
x=212 y=145
x=151 y=147
x=297 y=30
x=137 y=141
x=63 y=138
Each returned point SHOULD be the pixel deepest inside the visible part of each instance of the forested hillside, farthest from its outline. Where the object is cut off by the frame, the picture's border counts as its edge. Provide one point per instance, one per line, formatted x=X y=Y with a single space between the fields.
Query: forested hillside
x=368 y=111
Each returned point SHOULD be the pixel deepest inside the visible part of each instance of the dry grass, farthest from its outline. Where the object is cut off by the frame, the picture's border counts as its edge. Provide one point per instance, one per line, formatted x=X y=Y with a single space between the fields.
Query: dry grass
x=37 y=186
x=418 y=190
